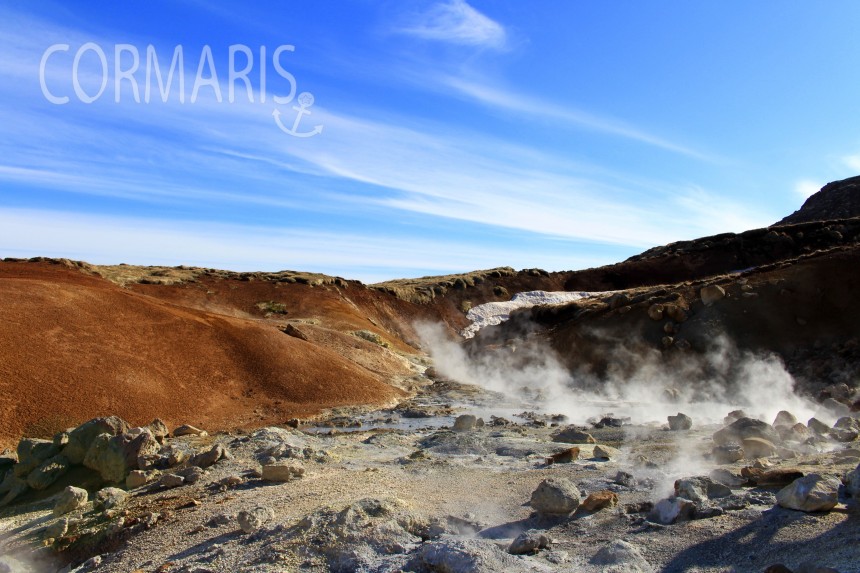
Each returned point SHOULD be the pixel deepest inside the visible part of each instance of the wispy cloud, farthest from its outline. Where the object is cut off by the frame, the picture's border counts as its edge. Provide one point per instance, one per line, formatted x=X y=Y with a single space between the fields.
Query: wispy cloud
x=805 y=187
x=456 y=22
x=852 y=161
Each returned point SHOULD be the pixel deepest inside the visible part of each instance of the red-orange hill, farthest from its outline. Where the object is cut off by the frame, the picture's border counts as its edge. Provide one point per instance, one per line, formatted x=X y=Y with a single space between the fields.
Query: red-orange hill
x=74 y=345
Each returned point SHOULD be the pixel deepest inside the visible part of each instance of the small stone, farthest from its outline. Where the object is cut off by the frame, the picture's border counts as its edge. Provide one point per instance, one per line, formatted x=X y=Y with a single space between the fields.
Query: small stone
x=598 y=500
x=251 y=521
x=573 y=435
x=191 y=474
x=465 y=423
x=188 y=430
x=219 y=520
x=602 y=452
x=671 y=510
x=711 y=294
x=138 y=478
x=555 y=496
x=231 y=481
x=171 y=480
x=564 y=456
x=680 y=422
x=529 y=543
x=70 y=499
x=655 y=312
x=810 y=493
x=283 y=471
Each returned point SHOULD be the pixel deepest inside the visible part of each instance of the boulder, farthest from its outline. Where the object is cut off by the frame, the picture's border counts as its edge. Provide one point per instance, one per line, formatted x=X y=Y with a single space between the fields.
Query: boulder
x=744 y=428
x=465 y=423
x=32 y=453
x=672 y=510
x=702 y=488
x=602 y=452
x=188 y=430
x=283 y=471
x=818 y=426
x=621 y=556
x=598 y=500
x=11 y=487
x=82 y=437
x=109 y=498
x=784 y=418
x=711 y=294
x=758 y=448
x=810 y=493
x=555 y=496
x=680 y=422
x=529 y=543
x=70 y=499
x=573 y=435
x=114 y=456
x=158 y=429
x=252 y=520
x=50 y=471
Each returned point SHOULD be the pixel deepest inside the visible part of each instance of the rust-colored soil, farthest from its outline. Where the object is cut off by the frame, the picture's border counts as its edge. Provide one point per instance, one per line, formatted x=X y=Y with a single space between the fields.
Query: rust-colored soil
x=74 y=345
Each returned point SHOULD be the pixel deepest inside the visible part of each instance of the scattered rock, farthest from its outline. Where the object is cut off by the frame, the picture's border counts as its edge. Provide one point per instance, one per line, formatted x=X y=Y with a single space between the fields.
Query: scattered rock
x=188 y=430
x=598 y=500
x=138 y=478
x=465 y=423
x=283 y=471
x=82 y=437
x=680 y=422
x=744 y=428
x=625 y=556
x=70 y=499
x=171 y=480
x=529 y=543
x=109 y=498
x=810 y=493
x=727 y=454
x=758 y=448
x=49 y=472
x=251 y=521
x=573 y=435
x=711 y=294
x=209 y=457
x=564 y=456
x=602 y=452
x=784 y=418
x=671 y=510
x=555 y=496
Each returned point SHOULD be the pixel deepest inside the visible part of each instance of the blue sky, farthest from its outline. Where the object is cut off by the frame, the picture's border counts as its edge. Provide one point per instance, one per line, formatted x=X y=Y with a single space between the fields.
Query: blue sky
x=455 y=135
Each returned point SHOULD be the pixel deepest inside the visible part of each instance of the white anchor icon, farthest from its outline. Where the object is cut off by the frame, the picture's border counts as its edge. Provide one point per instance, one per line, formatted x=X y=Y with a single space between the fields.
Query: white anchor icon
x=306 y=100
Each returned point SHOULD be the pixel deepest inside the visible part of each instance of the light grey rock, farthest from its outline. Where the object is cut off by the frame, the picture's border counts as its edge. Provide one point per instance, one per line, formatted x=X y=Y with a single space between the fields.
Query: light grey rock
x=139 y=478
x=818 y=426
x=573 y=435
x=852 y=482
x=209 y=457
x=171 y=481
x=727 y=454
x=555 y=496
x=283 y=471
x=70 y=499
x=758 y=448
x=159 y=430
x=784 y=419
x=57 y=529
x=252 y=520
x=188 y=430
x=744 y=428
x=11 y=487
x=672 y=510
x=810 y=493
x=466 y=556
x=109 y=498
x=621 y=556
x=680 y=422
x=191 y=474
x=529 y=543
x=465 y=423
x=602 y=452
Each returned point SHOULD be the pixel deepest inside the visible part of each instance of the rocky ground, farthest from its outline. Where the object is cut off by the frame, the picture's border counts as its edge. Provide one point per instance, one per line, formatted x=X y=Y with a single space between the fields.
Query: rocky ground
x=429 y=486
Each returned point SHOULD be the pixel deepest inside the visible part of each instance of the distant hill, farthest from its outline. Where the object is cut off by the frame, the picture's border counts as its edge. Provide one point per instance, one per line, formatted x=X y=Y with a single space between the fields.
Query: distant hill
x=836 y=200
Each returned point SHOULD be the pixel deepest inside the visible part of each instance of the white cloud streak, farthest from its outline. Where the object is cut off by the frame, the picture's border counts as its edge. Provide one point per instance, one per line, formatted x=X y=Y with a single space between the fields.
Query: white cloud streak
x=456 y=22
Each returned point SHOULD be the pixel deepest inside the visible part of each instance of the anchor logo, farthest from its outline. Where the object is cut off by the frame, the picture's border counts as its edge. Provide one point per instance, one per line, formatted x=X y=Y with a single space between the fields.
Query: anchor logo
x=306 y=100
